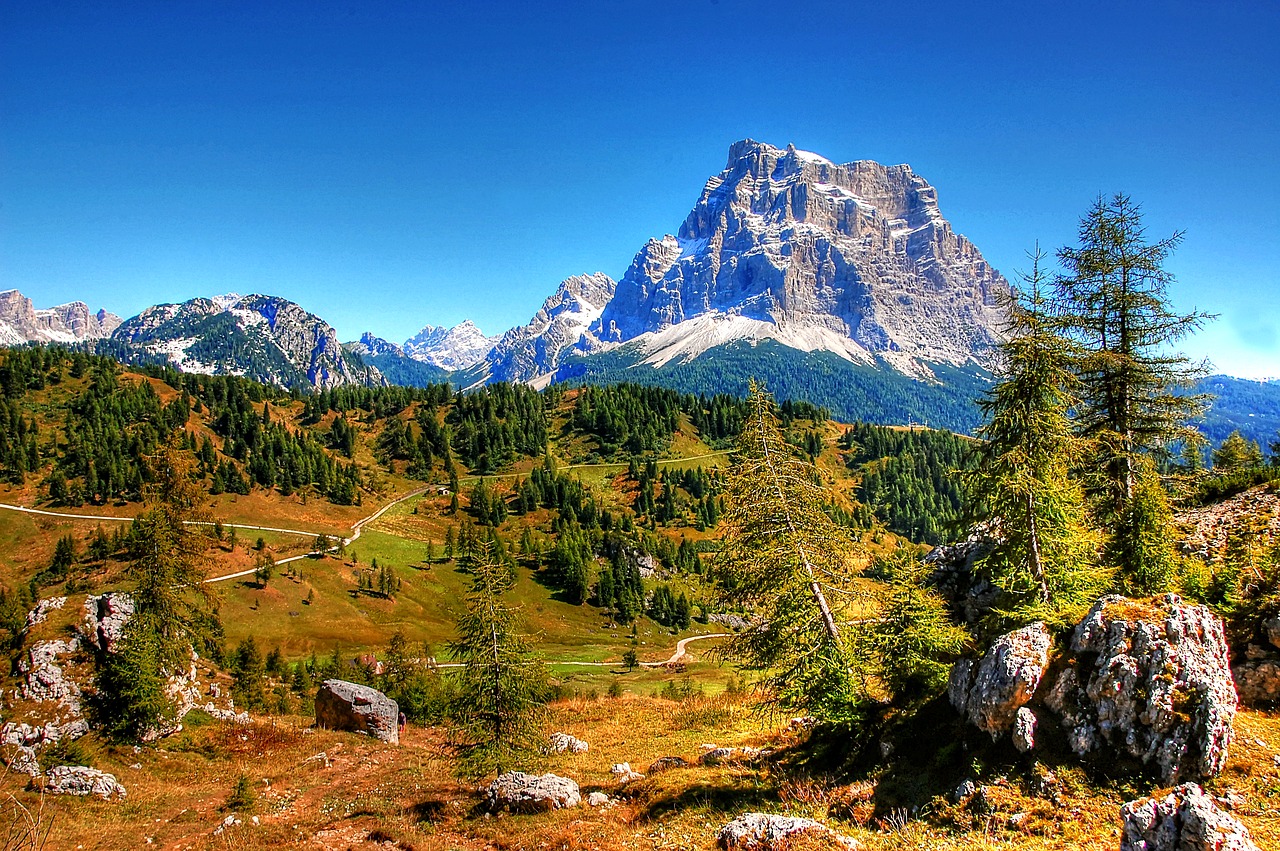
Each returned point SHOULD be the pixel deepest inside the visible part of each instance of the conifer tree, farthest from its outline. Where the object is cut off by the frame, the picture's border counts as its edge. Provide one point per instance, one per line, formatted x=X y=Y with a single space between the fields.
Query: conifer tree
x=1113 y=301
x=499 y=711
x=782 y=557
x=1045 y=553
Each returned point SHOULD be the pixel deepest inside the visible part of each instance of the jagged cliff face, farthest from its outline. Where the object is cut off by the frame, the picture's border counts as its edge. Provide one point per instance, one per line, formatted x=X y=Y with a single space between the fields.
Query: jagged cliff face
x=532 y=352
x=370 y=346
x=20 y=322
x=855 y=259
x=266 y=338
x=459 y=347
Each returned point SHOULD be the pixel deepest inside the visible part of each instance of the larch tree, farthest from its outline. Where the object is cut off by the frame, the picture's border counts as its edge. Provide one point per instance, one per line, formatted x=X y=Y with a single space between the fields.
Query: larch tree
x=1112 y=299
x=783 y=559
x=501 y=704
x=1045 y=553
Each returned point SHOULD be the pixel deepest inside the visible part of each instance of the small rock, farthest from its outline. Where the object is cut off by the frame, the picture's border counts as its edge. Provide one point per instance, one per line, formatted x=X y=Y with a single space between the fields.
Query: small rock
x=597 y=799
x=762 y=832
x=622 y=770
x=25 y=762
x=718 y=756
x=82 y=780
x=1184 y=820
x=564 y=743
x=1024 y=729
x=1015 y=820
x=964 y=790
x=530 y=793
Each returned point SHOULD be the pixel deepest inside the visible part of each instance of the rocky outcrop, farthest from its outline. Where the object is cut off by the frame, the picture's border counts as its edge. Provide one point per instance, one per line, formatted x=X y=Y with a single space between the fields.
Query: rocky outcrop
x=1257 y=681
x=564 y=743
x=1148 y=679
x=105 y=617
x=341 y=705
x=763 y=831
x=518 y=792
x=1151 y=679
x=954 y=573
x=44 y=680
x=991 y=692
x=20 y=322
x=81 y=780
x=41 y=612
x=1184 y=820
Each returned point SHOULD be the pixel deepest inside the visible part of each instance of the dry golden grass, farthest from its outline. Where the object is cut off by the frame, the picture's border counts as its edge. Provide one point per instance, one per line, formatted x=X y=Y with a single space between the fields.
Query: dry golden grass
x=370 y=795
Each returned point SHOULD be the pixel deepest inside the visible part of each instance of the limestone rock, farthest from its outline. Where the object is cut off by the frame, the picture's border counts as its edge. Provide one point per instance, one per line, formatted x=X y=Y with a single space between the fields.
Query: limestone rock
x=718 y=756
x=564 y=743
x=598 y=799
x=82 y=780
x=1184 y=820
x=21 y=322
x=1152 y=680
x=762 y=831
x=341 y=705
x=1024 y=729
x=105 y=617
x=1257 y=681
x=41 y=612
x=991 y=692
x=1272 y=628
x=519 y=792
x=624 y=772
x=24 y=761
x=44 y=679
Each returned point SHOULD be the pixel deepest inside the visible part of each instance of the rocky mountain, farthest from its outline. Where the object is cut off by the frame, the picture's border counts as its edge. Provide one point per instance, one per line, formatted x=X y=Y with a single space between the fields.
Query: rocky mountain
x=370 y=346
x=395 y=365
x=854 y=259
x=20 y=322
x=459 y=347
x=266 y=338
x=533 y=352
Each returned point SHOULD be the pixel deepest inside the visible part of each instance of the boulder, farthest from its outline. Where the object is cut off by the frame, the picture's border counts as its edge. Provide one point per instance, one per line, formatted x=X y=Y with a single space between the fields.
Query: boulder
x=82 y=780
x=991 y=691
x=341 y=705
x=1257 y=681
x=1184 y=820
x=762 y=831
x=105 y=617
x=44 y=679
x=1272 y=627
x=518 y=792
x=564 y=743
x=1151 y=679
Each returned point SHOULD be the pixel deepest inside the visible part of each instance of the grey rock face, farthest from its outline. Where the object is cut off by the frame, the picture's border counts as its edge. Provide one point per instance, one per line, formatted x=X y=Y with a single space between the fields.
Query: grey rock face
x=518 y=792
x=373 y=346
x=854 y=258
x=82 y=780
x=1153 y=681
x=991 y=692
x=763 y=831
x=341 y=705
x=459 y=347
x=534 y=351
x=267 y=338
x=1184 y=820
x=105 y=617
x=20 y=322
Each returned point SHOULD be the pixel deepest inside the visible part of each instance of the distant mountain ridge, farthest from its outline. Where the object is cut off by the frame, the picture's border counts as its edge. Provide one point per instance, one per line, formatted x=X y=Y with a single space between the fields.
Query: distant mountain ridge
x=21 y=322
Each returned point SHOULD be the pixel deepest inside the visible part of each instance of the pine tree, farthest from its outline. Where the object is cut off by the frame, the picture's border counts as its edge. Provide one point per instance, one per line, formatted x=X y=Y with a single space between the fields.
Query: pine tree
x=1044 y=557
x=783 y=557
x=1113 y=301
x=500 y=707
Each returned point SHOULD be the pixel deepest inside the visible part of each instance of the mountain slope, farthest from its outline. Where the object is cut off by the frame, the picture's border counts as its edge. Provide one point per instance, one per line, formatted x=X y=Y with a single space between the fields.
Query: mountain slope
x=21 y=323
x=459 y=347
x=266 y=338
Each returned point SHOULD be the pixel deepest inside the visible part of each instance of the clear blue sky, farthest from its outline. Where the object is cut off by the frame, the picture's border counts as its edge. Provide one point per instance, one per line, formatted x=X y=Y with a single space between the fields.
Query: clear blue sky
x=390 y=164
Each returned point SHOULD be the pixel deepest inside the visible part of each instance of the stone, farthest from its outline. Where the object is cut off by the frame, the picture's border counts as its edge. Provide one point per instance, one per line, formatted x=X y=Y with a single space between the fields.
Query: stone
x=624 y=773
x=1151 y=680
x=598 y=799
x=763 y=831
x=1272 y=628
x=342 y=705
x=1257 y=681
x=44 y=680
x=718 y=756
x=991 y=692
x=24 y=761
x=41 y=612
x=82 y=780
x=564 y=743
x=666 y=763
x=1184 y=820
x=105 y=617
x=964 y=790
x=519 y=792
x=1024 y=729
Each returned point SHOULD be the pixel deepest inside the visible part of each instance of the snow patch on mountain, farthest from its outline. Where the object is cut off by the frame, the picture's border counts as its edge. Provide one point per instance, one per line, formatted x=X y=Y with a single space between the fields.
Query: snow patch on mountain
x=459 y=347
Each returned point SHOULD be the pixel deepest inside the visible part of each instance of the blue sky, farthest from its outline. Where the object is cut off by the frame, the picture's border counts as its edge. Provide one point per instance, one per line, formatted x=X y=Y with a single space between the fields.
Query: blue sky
x=389 y=164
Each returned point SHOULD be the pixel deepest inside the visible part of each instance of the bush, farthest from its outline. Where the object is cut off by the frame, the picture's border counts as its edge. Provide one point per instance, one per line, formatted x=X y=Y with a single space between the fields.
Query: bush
x=242 y=797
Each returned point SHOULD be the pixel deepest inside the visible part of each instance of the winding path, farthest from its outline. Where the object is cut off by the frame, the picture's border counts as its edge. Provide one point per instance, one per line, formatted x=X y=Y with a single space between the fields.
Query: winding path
x=675 y=657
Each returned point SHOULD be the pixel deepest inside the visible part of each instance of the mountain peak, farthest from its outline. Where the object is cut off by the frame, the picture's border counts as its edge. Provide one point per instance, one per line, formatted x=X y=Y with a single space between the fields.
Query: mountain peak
x=459 y=347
